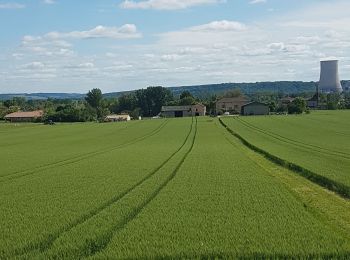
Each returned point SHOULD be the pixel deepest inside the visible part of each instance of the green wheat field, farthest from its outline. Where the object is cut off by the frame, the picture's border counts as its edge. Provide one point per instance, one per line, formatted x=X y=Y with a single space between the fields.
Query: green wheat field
x=231 y=187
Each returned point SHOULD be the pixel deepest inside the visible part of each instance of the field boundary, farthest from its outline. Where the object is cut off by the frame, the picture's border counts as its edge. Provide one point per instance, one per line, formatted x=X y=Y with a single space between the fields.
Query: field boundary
x=257 y=255
x=339 y=188
x=46 y=243
x=38 y=169
x=297 y=143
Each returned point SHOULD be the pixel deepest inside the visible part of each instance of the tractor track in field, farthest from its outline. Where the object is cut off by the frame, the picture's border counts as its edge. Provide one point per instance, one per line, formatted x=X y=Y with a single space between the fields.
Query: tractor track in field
x=94 y=247
x=46 y=244
x=20 y=174
x=60 y=136
x=299 y=144
x=334 y=186
x=314 y=212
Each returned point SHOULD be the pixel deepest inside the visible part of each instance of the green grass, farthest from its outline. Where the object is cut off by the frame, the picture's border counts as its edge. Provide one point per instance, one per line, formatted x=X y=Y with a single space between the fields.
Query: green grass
x=319 y=143
x=157 y=189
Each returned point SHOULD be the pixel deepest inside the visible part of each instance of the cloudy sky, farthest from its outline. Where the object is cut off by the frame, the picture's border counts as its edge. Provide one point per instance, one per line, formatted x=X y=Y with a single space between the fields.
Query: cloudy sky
x=115 y=45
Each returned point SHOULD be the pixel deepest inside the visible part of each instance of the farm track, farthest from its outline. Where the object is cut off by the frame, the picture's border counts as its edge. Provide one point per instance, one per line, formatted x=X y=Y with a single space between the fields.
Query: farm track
x=316 y=148
x=339 y=188
x=95 y=247
x=45 y=244
x=20 y=174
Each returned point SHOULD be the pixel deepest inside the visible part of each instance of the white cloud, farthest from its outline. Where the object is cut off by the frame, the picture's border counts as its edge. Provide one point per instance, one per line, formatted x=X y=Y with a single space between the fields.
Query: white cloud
x=223 y=25
x=253 y=2
x=218 y=51
x=12 y=6
x=36 y=65
x=166 y=4
x=170 y=57
x=127 y=31
x=276 y=46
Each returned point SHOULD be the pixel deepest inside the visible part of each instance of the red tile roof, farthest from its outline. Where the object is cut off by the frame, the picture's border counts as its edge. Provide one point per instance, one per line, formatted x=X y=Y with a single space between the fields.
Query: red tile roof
x=31 y=114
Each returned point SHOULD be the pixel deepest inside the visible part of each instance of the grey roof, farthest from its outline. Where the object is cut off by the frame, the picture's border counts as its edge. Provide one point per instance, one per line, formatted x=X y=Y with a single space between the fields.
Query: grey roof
x=176 y=108
x=255 y=103
x=233 y=99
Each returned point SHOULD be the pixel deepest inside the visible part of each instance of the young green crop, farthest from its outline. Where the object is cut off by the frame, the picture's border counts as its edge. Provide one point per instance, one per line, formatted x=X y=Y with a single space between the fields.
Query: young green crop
x=319 y=142
x=177 y=188
x=55 y=199
x=223 y=204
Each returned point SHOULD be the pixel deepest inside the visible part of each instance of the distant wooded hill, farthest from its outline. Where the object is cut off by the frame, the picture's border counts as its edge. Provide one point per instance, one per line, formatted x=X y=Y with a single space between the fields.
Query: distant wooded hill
x=286 y=87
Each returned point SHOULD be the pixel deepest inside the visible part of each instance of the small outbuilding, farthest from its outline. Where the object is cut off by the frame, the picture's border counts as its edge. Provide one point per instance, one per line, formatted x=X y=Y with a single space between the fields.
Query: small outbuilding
x=184 y=111
x=18 y=117
x=255 y=108
x=118 y=118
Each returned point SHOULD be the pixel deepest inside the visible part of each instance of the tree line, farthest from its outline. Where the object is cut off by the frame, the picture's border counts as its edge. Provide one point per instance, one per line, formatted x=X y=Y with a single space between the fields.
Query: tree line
x=95 y=107
x=148 y=102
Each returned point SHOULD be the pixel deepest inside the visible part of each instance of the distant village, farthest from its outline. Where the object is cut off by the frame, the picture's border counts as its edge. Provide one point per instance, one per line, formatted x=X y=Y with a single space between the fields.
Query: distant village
x=158 y=102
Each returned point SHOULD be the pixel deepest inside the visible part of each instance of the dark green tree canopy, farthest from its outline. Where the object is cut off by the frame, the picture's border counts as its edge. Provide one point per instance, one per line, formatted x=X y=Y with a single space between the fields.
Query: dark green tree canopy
x=186 y=94
x=151 y=100
x=298 y=106
x=233 y=93
x=94 y=98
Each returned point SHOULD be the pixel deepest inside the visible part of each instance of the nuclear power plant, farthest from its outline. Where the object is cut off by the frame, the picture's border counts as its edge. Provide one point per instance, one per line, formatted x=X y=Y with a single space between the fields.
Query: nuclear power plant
x=329 y=79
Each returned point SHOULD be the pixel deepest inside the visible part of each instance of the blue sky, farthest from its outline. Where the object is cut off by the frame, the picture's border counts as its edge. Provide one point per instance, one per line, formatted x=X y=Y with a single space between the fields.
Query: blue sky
x=73 y=46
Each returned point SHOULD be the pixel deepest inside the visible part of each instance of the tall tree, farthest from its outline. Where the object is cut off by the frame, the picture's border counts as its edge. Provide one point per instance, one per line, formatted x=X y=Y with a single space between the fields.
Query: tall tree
x=233 y=93
x=298 y=106
x=151 y=100
x=186 y=98
x=186 y=94
x=94 y=98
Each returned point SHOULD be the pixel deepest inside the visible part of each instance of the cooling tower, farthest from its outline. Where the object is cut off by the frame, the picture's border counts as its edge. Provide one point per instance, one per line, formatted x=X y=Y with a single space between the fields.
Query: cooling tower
x=329 y=80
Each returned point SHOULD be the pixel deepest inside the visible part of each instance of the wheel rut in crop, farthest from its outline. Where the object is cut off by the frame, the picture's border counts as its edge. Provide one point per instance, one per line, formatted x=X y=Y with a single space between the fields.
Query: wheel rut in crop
x=96 y=246
x=314 y=212
x=339 y=188
x=46 y=244
x=306 y=146
x=20 y=174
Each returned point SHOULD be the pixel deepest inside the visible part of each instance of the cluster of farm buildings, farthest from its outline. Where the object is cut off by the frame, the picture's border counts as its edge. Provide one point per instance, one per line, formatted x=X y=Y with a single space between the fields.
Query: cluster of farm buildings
x=225 y=105
x=236 y=105
x=329 y=83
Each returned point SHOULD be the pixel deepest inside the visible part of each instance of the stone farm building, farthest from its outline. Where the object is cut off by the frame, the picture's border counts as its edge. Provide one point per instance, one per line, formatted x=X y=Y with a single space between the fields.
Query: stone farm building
x=117 y=118
x=232 y=105
x=31 y=116
x=255 y=108
x=184 y=111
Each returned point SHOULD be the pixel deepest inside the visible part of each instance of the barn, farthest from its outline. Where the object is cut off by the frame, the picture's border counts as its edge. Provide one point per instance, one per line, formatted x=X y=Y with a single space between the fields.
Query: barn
x=31 y=116
x=184 y=111
x=118 y=118
x=255 y=108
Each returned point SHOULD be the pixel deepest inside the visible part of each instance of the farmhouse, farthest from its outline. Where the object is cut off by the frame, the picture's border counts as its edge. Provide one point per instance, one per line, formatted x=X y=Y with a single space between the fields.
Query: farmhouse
x=232 y=105
x=118 y=118
x=255 y=108
x=31 y=116
x=184 y=111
